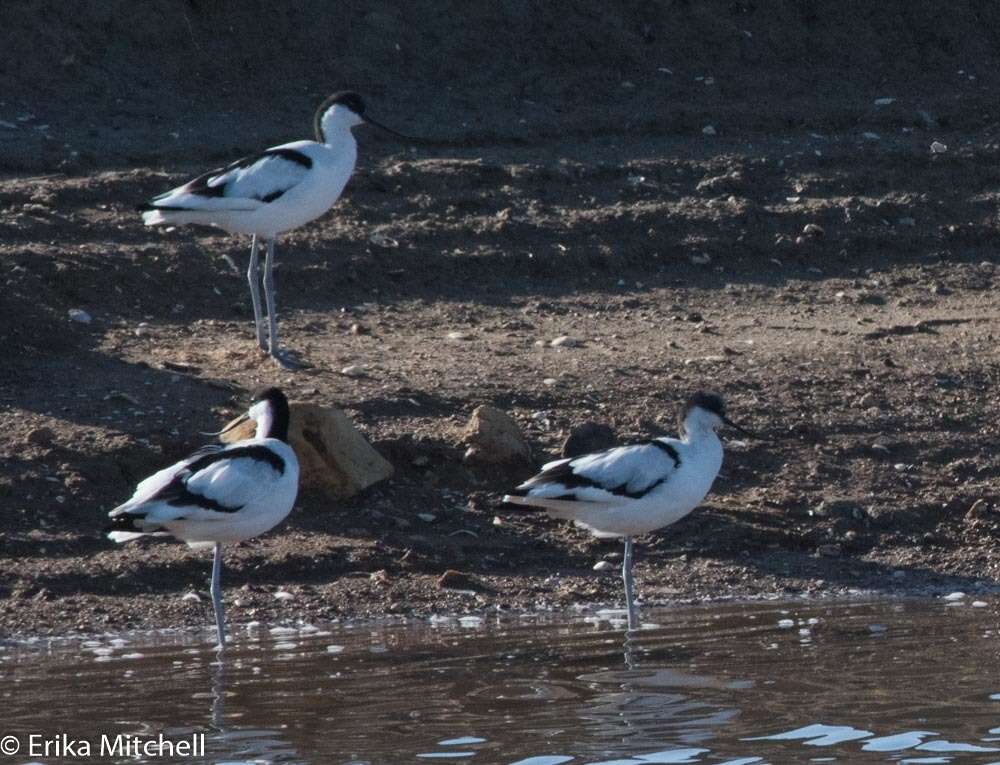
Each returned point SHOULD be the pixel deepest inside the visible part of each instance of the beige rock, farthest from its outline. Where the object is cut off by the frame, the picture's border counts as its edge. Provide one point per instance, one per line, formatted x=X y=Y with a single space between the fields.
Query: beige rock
x=493 y=436
x=332 y=453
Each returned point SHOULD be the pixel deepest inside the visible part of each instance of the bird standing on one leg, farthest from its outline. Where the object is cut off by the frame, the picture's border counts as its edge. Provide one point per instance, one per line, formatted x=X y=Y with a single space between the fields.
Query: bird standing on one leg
x=631 y=490
x=220 y=494
x=269 y=193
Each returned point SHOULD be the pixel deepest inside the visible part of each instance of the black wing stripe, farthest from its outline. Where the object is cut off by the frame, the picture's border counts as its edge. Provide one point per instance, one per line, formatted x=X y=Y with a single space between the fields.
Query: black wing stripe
x=254 y=452
x=200 y=185
x=671 y=451
x=564 y=475
x=177 y=494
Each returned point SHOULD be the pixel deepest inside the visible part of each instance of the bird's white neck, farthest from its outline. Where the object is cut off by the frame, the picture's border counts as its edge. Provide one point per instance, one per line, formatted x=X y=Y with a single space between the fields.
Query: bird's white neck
x=696 y=434
x=336 y=126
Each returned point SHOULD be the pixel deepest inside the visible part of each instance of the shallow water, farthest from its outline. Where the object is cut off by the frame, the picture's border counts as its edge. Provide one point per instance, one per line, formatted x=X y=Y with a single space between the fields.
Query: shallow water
x=870 y=682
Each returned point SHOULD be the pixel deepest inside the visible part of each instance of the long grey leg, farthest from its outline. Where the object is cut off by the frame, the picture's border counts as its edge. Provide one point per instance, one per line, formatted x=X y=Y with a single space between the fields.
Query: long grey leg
x=220 y=621
x=253 y=276
x=280 y=357
x=629 y=590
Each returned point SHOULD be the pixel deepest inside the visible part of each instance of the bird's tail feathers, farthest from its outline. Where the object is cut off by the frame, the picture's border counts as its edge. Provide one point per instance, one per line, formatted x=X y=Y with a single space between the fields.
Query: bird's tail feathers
x=126 y=526
x=560 y=508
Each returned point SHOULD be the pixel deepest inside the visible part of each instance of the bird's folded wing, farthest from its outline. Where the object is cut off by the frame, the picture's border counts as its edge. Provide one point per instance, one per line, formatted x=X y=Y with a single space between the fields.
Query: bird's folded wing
x=210 y=484
x=627 y=472
x=246 y=184
x=148 y=487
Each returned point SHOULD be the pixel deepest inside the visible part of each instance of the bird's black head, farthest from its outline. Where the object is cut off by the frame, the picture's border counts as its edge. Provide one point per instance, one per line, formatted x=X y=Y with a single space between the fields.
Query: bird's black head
x=269 y=407
x=347 y=99
x=707 y=411
x=710 y=402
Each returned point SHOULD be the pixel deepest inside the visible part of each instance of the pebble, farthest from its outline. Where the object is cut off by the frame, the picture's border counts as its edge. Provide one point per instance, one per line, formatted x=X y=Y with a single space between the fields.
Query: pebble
x=700 y=258
x=41 y=436
x=427 y=517
x=192 y=596
x=883 y=101
x=785 y=624
x=869 y=136
x=938 y=148
x=813 y=229
x=283 y=595
x=955 y=596
x=829 y=551
x=78 y=314
x=587 y=438
x=459 y=336
x=457 y=580
x=565 y=341
x=603 y=565
x=708 y=130
x=979 y=604
x=549 y=381
x=354 y=370
x=381 y=240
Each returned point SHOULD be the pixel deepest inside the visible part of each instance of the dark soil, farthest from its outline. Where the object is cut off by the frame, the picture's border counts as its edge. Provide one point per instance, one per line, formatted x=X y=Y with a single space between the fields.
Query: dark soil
x=813 y=260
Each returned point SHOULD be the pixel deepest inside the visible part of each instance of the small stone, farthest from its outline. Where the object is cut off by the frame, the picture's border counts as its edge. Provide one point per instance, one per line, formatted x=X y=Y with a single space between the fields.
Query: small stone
x=40 y=436
x=283 y=595
x=354 y=370
x=381 y=240
x=117 y=395
x=929 y=120
x=456 y=580
x=427 y=517
x=869 y=136
x=813 y=230
x=980 y=510
x=565 y=341
x=493 y=436
x=954 y=596
x=938 y=148
x=700 y=258
x=587 y=438
x=866 y=401
x=549 y=381
x=421 y=460
x=708 y=130
x=194 y=596
x=829 y=551
x=358 y=329
x=459 y=335
x=883 y=101
x=603 y=565
x=78 y=314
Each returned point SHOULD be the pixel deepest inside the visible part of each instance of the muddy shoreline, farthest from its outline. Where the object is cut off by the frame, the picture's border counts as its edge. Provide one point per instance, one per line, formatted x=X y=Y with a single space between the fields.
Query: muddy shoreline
x=813 y=260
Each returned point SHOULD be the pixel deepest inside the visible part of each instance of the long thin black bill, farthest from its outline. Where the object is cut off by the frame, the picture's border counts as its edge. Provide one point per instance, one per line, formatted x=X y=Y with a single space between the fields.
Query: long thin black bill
x=390 y=131
x=739 y=429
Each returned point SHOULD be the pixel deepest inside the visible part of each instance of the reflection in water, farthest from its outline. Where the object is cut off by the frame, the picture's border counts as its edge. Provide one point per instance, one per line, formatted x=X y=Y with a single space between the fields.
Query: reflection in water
x=733 y=685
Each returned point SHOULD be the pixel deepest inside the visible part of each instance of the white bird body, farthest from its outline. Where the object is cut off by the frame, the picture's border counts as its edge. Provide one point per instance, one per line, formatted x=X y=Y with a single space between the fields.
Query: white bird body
x=266 y=194
x=219 y=494
x=263 y=495
x=269 y=193
x=654 y=489
x=632 y=490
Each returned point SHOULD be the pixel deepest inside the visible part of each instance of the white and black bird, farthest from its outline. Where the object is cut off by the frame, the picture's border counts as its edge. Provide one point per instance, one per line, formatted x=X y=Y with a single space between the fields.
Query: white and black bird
x=266 y=194
x=220 y=494
x=632 y=490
